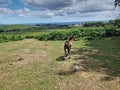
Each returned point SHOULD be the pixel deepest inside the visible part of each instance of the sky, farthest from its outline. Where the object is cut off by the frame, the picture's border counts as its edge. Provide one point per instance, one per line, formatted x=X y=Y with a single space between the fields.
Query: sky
x=46 y=11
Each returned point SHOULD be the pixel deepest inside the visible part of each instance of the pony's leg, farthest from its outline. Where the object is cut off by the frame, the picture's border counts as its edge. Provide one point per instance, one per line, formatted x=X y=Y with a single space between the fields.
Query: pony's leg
x=65 y=54
x=69 y=53
x=65 y=50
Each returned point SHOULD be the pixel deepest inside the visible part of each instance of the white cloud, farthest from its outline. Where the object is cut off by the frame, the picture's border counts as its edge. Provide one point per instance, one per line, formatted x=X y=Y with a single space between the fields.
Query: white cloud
x=62 y=4
x=5 y=3
x=64 y=8
x=97 y=6
x=72 y=7
x=5 y=11
x=50 y=4
x=27 y=13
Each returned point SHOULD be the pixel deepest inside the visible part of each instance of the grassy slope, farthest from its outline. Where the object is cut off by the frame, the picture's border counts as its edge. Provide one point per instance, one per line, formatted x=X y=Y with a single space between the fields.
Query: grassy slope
x=38 y=65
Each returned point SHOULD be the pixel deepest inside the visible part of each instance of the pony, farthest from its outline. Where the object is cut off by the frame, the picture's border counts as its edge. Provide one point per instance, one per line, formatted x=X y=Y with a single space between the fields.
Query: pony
x=68 y=45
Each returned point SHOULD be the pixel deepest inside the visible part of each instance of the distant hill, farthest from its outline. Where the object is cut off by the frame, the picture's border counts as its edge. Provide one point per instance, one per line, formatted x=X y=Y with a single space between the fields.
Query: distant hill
x=59 y=23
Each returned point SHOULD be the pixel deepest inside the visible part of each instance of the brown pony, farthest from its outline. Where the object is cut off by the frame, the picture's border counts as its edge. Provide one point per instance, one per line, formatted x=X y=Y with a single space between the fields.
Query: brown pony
x=67 y=46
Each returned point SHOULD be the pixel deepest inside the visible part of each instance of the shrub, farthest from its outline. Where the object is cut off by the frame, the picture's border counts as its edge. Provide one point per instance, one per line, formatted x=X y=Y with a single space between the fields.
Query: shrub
x=84 y=33
x=3 y=39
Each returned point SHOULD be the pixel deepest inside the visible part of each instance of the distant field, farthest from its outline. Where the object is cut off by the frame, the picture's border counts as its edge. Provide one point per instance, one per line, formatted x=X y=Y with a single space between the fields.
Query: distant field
x=28 y=28
x=30 y=64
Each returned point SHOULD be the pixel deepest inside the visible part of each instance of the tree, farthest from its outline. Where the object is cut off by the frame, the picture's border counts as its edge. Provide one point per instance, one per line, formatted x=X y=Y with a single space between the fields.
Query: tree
x=117 y=3
x=115 y=23
x=94 y=24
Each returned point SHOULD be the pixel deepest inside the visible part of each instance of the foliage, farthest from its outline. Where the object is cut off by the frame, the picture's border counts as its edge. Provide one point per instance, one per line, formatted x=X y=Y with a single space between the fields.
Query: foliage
x=94 y=24
x=89 y=31
x=10 y=38
x=113 y=28
x=80 y=33
x=115 y=23
x=117 y=3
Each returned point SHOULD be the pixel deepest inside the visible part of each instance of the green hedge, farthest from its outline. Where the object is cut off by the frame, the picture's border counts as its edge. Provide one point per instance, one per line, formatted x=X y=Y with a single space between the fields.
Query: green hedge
x=80 y=33
x=10 y=38
x=88 y=33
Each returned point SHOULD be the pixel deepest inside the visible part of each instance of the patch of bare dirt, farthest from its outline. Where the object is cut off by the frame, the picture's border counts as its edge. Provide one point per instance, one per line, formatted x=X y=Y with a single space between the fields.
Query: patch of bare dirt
x=3 y=75
x=27 y=57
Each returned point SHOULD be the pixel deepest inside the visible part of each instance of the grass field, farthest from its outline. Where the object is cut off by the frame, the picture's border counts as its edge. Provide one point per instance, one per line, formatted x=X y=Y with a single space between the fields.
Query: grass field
x=38 y=65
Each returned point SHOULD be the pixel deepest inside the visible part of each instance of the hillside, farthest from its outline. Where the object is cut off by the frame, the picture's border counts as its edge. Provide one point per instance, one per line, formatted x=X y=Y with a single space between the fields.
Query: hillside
x=31 y=64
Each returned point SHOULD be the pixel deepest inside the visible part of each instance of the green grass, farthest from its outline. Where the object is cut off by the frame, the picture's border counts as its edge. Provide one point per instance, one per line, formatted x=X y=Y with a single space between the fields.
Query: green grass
x=37 y=65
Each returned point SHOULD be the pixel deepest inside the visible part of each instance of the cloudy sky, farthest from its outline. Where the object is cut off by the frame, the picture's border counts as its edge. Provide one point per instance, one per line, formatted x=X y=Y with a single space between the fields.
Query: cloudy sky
x=36 y=11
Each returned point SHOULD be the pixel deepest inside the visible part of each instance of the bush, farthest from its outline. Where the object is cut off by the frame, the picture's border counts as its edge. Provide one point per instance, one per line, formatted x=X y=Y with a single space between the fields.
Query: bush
x=16 y=38
x=110 y=30
x=42 y=37
x=10 y=38
x=29 y=37
x=84 y=33
x=3 y=39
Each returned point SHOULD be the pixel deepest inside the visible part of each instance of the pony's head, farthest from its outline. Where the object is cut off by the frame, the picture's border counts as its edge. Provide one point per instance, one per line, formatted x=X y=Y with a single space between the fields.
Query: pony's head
x=72 y=37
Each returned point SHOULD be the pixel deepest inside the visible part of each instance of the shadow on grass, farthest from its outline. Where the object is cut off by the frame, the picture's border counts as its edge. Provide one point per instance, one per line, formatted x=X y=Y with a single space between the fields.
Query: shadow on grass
x=107 y=78
x=69 y=72
x=61 y=58
x=101 y=56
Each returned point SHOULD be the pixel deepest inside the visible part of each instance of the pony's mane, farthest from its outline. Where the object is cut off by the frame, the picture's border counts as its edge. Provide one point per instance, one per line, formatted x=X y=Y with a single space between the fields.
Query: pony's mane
x=71 y=37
